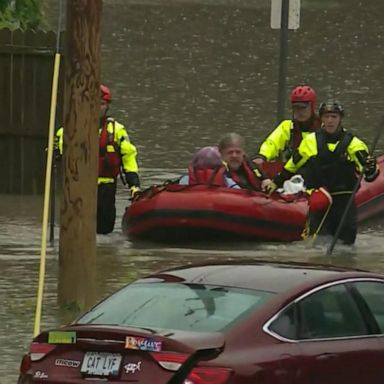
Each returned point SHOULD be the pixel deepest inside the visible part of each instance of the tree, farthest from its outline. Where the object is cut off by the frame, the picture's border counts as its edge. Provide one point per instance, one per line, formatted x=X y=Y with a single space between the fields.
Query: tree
x=77 y=250
x=22 y=14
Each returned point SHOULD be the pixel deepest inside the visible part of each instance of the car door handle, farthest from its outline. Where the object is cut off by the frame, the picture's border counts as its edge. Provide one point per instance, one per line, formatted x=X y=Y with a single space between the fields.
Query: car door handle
x=326 y=356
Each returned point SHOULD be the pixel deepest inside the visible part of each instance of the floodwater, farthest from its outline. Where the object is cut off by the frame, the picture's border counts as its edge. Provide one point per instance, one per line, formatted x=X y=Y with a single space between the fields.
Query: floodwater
x=119 y=262
x=183 y=73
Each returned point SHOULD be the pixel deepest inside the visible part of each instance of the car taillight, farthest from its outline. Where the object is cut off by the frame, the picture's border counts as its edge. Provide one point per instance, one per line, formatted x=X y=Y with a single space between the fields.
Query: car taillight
x=39 y=350
x=25 y=364
x=198 y=375
x=170 y=361
x=208 y=375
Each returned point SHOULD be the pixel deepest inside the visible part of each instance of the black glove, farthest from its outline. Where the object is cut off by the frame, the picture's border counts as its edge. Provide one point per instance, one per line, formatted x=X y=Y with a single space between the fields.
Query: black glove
x=371 y=169
x=370 y=164
x=281 y=177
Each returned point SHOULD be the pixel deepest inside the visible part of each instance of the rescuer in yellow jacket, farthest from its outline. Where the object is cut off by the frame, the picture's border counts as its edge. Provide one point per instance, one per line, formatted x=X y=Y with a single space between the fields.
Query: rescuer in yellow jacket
x=117 y=155
x=287 y=136
x=332 y=156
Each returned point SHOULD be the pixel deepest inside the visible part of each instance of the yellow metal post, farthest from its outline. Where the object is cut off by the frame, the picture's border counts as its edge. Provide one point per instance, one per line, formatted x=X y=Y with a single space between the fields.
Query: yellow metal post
x=48 y=173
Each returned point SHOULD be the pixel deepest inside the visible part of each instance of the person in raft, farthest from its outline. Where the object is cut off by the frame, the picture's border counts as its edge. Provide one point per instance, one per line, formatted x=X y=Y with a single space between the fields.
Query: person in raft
x=205 y=167
x=237 y=166
x=225 y=165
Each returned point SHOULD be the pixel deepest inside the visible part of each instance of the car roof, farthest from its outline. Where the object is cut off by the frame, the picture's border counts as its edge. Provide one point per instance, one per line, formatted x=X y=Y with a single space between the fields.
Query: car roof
x=260 y=275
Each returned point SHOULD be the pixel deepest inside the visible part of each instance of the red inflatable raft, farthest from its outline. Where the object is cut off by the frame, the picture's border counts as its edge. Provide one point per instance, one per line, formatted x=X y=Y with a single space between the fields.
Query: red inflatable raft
x=178 y=213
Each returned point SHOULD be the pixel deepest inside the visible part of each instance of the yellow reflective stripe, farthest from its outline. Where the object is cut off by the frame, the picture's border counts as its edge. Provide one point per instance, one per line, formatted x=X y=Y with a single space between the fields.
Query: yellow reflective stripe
x=105 y=180
x=59 y=138
x=340 y=193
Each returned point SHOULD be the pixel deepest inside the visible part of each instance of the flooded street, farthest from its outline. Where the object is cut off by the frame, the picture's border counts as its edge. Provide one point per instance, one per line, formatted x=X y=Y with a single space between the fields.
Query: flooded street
x=183 y=74
x=119 y=262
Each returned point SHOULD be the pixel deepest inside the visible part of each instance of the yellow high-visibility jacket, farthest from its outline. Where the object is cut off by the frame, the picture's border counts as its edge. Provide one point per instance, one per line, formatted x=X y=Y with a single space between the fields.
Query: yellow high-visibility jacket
x=126 y=149
x=280 y=141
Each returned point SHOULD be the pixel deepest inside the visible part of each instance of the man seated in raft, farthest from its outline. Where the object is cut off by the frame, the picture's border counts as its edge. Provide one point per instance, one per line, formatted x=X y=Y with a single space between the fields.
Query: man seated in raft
x=245 y=173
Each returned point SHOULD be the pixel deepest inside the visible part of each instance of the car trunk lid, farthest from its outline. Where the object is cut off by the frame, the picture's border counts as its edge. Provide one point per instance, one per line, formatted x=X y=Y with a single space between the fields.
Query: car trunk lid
x=119 y=353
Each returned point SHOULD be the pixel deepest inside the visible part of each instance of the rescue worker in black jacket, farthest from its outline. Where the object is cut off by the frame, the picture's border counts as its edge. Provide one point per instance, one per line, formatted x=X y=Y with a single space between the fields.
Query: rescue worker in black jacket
x=333 y=157
x=117 y=155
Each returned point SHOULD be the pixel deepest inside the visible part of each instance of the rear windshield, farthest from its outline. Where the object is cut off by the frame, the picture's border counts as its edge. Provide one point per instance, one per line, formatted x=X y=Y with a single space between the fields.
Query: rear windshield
x=176 y=306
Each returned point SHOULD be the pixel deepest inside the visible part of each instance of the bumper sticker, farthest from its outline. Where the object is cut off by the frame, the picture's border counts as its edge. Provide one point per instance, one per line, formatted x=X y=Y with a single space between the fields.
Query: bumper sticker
x=61 y=337
x=143 y=344
x=132 y=367
x=67 y=363
x=40 y=375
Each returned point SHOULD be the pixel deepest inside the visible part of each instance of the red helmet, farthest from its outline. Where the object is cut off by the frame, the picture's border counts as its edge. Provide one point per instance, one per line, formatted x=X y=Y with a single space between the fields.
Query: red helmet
x=105 y=93
x=304 y=94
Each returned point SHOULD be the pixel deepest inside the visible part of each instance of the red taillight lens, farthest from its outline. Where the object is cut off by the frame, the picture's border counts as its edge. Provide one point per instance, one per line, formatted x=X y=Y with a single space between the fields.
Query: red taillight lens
x=39 y=350
x=208 y=375
x=199 y=375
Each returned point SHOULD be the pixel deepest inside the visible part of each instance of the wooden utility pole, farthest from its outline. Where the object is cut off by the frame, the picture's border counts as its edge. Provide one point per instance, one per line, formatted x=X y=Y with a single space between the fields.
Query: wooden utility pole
x=77 y=250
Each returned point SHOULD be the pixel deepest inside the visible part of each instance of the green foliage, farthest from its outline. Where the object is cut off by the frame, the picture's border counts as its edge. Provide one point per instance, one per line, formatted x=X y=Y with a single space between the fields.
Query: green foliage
x=21 y=14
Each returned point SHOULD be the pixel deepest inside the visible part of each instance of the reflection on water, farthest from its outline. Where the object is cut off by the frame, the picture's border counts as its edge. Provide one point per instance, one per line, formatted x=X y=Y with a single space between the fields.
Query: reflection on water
x=182 y=75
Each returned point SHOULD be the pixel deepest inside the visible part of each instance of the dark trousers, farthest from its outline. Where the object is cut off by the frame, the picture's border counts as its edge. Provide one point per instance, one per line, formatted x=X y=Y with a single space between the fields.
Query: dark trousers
x=106 y=209
x=331 y=223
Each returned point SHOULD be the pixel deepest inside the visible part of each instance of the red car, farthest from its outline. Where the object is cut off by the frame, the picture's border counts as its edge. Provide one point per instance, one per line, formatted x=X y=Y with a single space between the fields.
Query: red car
x=239 y=322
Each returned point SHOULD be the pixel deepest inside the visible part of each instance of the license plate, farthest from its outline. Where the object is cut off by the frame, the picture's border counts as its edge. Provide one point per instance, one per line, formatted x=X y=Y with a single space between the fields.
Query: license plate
x=101 y=364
